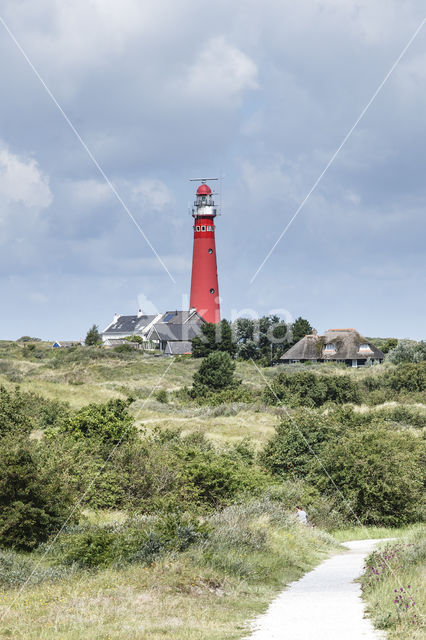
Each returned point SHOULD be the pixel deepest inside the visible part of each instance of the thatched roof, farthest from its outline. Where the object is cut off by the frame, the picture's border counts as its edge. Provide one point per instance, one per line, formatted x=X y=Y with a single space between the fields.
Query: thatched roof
x=343 y=344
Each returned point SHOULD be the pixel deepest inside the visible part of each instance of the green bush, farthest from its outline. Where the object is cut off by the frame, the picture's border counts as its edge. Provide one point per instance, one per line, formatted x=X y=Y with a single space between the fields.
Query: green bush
x=33 y=504
x=216 y=373
x=110 y=423
x=379 y=471
x=311 y=390
x=408 y=377
x=13 y=413
x=297 y=439
x=162 y=396
x=135 y=542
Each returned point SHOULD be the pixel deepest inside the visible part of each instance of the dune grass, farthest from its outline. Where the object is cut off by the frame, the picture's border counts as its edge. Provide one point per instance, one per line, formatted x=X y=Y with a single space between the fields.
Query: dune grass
x=209 y=592
x=394 y=586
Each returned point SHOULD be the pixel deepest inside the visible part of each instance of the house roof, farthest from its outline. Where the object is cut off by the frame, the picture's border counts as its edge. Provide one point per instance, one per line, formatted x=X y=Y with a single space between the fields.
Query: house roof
x=347 y=344
x=129 y=324
x=179 y=348
x=175 y=332
x=181 y=317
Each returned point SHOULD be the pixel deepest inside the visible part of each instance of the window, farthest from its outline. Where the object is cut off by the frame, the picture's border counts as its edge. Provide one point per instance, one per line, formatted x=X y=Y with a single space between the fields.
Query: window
x=203 y=228
x=197 y=228
x=210 y=250
x=330 y=347
x=209 y=228
x=212 y=290
x=364 y=347
x=168 y=317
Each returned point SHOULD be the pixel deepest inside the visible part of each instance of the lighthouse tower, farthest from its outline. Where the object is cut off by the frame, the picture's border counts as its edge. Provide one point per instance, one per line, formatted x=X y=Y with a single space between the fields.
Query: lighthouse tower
x=204 y=285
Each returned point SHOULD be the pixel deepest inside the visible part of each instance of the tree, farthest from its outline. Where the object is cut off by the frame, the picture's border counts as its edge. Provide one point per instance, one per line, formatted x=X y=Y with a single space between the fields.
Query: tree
x=215 y=374
x=93 y=336
x=33 y=503
x=408 y=351
x=266 y=337
x=387 y=345
x=300 y=328
x=214 y=337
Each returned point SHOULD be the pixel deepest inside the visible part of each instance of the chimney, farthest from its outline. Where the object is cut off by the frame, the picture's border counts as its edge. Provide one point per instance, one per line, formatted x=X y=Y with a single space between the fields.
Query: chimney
x=140 y=313
x=117 y=316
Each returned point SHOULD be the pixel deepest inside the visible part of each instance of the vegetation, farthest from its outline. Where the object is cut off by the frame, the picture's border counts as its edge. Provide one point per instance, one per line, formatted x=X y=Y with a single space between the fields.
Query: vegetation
x=214 y=337
x=182 y=499
x=393 y=586
x=310 y=390
x=408 y=351
x=33 y=504
x=93 y=336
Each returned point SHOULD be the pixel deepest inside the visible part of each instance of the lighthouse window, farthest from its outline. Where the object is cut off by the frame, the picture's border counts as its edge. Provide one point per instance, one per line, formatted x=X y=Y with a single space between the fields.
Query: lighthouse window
x=203 y=228
x=211 y=290
x=197 y=228
x=210 y=250
x=209 y=228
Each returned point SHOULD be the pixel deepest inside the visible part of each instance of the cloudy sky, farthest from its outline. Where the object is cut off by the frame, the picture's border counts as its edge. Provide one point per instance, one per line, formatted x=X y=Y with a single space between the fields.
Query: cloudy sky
x=261 y=94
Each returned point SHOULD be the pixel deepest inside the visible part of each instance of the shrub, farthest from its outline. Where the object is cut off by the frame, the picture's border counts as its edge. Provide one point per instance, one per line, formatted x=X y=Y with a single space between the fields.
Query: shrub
x=215 y=373
x=135 y=542
x=297 y=439
x=408 y=377
x=162 y=396
x=378 y=471
x=33 y=504
x=13 y=414
x=311 y=390
x=110 y=423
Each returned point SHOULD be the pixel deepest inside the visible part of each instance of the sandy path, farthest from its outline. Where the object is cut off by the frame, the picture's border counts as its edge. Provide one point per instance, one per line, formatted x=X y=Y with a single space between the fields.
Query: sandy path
x=323 y=605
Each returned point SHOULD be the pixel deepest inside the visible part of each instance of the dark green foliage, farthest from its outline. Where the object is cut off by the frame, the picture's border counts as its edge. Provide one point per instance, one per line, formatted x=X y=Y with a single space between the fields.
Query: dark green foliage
x=93 y=336
x=297 y=440
x=380 y=472
x=33 y=504
x=266 y=338
x=214 y=337
x=28 y=339
x=376 y=468
x=13 y=413
x=216 y=479
x=110 y=423
x=311 y=390
x=124 y=348
x=135 y=542
x=216 y=373
x=300 y=328
x=43 y=412
x=162 y=396
x=408 y=377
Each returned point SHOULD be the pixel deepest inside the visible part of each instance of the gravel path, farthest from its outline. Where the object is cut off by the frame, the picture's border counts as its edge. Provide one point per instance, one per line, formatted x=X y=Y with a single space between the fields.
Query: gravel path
x=323 y=605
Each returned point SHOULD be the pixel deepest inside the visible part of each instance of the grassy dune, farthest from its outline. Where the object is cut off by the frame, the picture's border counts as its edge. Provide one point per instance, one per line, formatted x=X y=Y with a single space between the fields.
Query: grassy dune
x=181 y=596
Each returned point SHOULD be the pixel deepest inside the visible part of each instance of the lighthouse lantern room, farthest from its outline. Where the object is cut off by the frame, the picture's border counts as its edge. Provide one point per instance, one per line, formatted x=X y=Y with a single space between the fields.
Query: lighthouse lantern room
x=204 y=282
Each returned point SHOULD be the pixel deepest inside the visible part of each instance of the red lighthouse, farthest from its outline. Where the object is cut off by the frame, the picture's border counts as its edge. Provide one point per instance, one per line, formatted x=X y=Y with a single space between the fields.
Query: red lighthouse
x=204 y=284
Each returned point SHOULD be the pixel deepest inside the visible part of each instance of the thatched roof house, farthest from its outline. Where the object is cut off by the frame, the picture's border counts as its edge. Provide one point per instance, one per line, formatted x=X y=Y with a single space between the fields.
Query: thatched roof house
x=335 y=345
